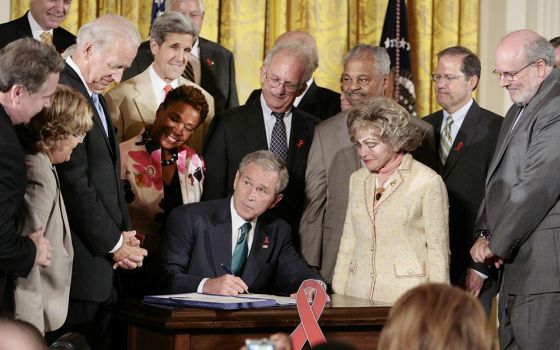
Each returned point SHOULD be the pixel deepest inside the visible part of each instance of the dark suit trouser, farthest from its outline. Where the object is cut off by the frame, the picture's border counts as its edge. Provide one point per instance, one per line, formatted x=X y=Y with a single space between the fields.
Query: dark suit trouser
x=93 y=320
x=529 y=321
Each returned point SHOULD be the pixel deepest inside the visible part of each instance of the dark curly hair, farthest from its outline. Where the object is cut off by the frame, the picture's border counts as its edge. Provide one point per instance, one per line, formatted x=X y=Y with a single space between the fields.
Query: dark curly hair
x=189 y=95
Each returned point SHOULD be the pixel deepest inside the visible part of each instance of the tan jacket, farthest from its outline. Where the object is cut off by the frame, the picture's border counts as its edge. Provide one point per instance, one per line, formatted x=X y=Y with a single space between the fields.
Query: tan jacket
x=132 y=105
x=42 y=297
x=401 y=243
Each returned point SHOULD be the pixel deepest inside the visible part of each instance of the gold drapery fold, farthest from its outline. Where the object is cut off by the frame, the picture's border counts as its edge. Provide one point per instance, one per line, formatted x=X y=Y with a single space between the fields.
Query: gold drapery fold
x=249 y=27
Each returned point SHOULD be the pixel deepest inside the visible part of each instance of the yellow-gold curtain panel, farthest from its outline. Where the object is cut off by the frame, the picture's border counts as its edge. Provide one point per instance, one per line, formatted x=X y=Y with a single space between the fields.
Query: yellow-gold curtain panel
x=248 y=28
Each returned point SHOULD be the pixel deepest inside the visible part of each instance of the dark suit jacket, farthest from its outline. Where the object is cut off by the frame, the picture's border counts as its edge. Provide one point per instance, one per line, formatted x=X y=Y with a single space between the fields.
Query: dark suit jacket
x=464 y=174
x=198 y=239
x=240 y=131
x=217 y=74
x=20 y=28
x=17 y=253
x=94 y=199
x=522 y=206
x=317 y=101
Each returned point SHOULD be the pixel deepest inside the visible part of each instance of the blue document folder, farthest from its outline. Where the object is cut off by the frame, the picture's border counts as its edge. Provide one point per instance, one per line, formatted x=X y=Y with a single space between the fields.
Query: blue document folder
x=209 y=301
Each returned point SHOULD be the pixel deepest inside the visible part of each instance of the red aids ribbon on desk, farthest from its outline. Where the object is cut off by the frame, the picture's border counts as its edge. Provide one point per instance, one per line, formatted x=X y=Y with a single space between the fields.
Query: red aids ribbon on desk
x=309 y=329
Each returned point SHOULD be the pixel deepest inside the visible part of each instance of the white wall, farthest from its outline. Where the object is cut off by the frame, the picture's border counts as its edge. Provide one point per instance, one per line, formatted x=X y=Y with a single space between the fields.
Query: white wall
x=499 y=17
x=5 y=10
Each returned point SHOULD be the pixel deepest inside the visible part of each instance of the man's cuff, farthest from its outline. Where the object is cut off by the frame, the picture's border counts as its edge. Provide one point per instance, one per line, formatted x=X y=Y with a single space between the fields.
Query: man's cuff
x=117 y=246
x=480 y=274
x=201 y=285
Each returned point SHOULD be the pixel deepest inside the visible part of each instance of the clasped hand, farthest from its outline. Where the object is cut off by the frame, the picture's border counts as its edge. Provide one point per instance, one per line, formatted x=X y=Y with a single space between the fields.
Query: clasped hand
x=130 y=255
x=481 y=253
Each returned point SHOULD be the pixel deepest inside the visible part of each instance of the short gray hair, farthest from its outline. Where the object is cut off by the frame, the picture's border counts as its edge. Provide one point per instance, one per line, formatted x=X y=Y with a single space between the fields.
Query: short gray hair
x=381 y=59
x=168 y=4
x=540 y=48
x=171 y=23
x=386 y=119
x=105 y=30
x=29 y=63
x=294 y=49
x=268 y=161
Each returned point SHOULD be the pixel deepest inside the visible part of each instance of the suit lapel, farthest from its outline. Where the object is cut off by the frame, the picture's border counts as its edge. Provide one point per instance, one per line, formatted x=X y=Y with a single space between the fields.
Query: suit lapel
x=466 y=136
x=219 y=238
x=23 y=26
x=263 y=245
x=76 y=83
x=343 y=139
x=255 y=133
x=296 y=144
x=144 y=98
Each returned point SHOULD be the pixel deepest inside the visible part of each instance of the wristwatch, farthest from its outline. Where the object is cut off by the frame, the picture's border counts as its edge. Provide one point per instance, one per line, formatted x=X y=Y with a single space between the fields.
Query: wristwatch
x=482 y=233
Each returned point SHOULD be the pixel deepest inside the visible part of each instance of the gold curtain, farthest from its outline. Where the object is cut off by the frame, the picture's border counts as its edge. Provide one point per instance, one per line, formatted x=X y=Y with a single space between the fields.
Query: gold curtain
x=248 y=28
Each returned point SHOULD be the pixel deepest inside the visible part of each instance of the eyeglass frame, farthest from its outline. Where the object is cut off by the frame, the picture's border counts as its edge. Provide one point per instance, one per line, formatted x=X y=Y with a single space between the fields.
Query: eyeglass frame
x=512 y=76
x=287 y=85
x=446 y=77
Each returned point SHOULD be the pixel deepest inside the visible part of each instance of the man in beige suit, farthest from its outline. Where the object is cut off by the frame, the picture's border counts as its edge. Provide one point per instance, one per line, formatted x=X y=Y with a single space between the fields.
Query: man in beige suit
x=332 y=159
x=133 y=104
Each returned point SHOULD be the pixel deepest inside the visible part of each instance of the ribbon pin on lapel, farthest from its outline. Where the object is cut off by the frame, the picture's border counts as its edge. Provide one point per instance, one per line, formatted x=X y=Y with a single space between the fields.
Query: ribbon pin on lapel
x=309 y=329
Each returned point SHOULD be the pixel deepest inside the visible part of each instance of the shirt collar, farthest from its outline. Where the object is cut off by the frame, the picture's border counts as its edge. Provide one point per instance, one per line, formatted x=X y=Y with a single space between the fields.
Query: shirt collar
x=73 y=65
x=158 y=82
x=36 y=29
x=195 y=50
x=267 y=112
x=460 y=114
x=236 y=220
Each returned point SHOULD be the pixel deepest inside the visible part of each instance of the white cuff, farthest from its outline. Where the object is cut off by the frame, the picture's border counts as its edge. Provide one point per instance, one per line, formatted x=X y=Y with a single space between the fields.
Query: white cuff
x=118 y=245
x=201 y=285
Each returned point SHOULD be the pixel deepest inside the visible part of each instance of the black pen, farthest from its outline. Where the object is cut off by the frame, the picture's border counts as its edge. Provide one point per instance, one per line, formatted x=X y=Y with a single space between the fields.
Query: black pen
x=226 y=269
x=229 y=272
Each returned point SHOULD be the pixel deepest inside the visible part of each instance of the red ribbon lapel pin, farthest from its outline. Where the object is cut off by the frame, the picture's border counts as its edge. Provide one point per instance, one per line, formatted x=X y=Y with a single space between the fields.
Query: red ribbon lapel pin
x=308 y=329
x=266 y=242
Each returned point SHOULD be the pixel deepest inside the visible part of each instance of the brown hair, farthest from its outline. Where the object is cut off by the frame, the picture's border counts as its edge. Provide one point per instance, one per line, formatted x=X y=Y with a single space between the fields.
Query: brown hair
x=70 y=113
x=386 y=119
x=436 y=317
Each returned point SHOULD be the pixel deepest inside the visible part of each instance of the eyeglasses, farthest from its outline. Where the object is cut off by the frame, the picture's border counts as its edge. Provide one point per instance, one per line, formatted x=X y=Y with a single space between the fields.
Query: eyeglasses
x=445 y=77
x=510 y=76
x=361 y=81
x=275 y=82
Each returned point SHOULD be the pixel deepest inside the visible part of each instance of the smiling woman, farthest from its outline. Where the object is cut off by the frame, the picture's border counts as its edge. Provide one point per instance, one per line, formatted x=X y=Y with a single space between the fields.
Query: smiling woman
x=159 y=169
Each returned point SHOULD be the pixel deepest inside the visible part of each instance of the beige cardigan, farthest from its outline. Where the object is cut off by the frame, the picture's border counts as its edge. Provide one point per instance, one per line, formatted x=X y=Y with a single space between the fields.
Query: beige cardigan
x=400 y=244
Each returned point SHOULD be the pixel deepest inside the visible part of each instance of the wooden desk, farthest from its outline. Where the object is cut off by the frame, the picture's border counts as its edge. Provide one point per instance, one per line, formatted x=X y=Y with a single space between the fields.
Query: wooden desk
x=351 y=320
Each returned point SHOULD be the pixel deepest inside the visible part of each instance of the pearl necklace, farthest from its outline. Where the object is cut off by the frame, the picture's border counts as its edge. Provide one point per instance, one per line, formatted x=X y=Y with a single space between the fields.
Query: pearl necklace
x=173 y=159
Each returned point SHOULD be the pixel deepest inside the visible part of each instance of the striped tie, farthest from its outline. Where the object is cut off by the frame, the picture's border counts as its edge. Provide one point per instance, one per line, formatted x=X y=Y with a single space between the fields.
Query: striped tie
x=446 y=140
x=188 y=73
x=46 y=37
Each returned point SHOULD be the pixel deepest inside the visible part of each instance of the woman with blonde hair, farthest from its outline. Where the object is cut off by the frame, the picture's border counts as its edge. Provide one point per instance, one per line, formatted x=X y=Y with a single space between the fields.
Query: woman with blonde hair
x=395 y=234
x=48 y=139
x=436 y=317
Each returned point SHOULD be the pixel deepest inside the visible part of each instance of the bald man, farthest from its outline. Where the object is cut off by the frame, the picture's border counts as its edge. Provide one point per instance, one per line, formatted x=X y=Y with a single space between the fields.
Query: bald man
x=315 y=100
x=520 y=215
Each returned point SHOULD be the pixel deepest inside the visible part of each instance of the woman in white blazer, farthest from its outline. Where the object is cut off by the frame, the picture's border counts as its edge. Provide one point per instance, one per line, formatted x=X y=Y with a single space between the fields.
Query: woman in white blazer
x=48 y=139
x=396 y=229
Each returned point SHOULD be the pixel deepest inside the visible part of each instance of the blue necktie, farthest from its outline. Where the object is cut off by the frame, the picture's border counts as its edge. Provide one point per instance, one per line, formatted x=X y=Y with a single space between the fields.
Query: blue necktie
x=241 y=249
x=99 y=108
x=278 y=143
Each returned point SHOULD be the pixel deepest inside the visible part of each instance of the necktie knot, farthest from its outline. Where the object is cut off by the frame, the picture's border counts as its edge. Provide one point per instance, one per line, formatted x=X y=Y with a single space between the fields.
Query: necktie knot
x=244 y=230
x=279 y=115
x=166 y=89
x=46 y=37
